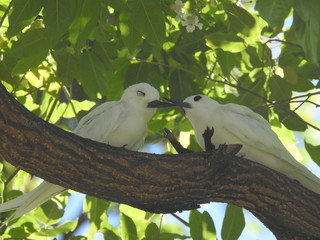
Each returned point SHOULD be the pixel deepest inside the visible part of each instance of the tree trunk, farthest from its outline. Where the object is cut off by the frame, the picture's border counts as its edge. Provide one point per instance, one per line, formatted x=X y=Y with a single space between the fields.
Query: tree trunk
x=156 y=183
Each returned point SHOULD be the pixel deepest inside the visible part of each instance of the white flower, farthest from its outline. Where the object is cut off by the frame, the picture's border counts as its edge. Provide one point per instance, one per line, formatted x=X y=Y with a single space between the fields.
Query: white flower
x=177 y=7
x=191 y=22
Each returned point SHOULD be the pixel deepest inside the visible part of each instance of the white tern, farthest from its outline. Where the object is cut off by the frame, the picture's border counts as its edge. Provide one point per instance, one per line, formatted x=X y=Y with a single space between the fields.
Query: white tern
x=237 y=124
x=117 y=123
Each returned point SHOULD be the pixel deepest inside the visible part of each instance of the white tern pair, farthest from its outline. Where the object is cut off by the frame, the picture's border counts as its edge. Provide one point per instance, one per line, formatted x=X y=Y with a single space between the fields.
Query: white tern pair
x=232 y=123
x=237 y=124
x=118 y=123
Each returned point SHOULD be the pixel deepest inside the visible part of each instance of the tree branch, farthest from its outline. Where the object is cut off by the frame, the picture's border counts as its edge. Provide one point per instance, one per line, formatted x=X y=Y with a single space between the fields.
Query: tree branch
x=155 y=183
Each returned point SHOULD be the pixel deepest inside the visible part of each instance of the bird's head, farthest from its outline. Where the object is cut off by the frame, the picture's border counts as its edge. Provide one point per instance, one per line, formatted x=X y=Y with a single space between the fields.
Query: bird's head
x=196 y=105
x=144 y=97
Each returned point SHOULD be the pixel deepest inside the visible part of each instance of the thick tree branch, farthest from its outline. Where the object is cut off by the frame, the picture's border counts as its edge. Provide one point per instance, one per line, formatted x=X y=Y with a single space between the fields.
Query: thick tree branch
x=155 y=183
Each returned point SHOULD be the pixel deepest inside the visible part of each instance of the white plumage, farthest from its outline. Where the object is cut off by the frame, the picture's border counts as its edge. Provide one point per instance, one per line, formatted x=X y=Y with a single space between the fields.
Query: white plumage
x=118 y=123
x=237 y=124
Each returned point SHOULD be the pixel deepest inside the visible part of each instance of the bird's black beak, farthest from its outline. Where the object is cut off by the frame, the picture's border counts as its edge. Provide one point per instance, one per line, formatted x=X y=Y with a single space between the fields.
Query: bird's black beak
x=179 y=104
x=159 y=104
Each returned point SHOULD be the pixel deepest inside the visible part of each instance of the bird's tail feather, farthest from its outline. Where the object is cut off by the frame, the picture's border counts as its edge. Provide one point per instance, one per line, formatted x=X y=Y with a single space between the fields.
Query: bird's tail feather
x=299 y=172
x=31 y=200
x=309 y=180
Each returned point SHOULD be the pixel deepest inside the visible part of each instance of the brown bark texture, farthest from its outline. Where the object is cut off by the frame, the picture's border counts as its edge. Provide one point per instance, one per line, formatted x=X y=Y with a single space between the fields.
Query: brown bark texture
x=156 y=183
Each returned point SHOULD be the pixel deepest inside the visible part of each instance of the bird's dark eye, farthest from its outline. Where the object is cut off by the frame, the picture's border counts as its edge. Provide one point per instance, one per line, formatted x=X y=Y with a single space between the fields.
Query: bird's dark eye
x=197 y=98
x=140 y=93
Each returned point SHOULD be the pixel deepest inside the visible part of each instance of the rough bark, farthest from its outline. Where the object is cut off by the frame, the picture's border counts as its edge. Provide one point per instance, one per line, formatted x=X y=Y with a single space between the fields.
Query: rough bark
x=156 y=183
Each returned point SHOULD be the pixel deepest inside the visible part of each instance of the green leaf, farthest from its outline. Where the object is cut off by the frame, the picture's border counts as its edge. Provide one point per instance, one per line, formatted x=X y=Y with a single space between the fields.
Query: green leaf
x=297 y=70
x=191 y=43
x=92 y=74
x=57 y=230
x=24 y=64
x=136 y=215
x=115 y=80
x=86 y=17
x=118 y=4
x=228 y=61
x=290 y=75
x=31 y=43
x=255 y=84
x=22 y=232
x=314 y=152
x=66 y=68
x=307 y=70
x=48 y=213
x=130 y=36
x=58 y=16
x=226 y=41
x=181 y=85
x=201 y=225
x=96 y=208
x=195 y=225
x=110 y=235
x=152 y=232
x=106 y=52
x=146 y=16
x=274 y=11
x=128 y=228
x=77 y=238
x=208 y=228
x=141 y=72
x=172 y=236
x=24 y=13
x=108 y=230
x=67 y=110
x=280 y=89
x=157 y=124
x=290 y=119
x=241 y=21
x=306 y=26
x=233 y=223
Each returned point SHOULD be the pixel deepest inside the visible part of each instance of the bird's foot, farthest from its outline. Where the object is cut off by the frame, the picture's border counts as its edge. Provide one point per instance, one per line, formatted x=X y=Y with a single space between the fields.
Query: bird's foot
x=207 y=135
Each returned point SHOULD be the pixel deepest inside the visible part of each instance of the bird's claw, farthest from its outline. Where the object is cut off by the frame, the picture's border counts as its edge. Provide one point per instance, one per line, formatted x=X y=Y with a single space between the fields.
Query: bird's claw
x=207 y=135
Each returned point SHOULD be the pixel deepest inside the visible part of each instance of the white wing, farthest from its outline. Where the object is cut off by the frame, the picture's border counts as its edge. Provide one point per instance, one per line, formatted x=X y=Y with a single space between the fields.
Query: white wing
x=261 y=144
x=119 y=125
x=252 y=129
x=107 y=116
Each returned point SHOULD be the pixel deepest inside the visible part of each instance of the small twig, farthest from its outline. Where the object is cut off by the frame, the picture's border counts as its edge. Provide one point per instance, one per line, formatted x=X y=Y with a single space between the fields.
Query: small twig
x=68 y=96
x=242 y=88
x=12 y=176
x=290 y=100
x=180 y=219
x=82 y=218
x=53 y=106
x=306 y=101
x=174 y=142
x=308 y=95
x=160 y=224
x=283 y=42
x=6 y=12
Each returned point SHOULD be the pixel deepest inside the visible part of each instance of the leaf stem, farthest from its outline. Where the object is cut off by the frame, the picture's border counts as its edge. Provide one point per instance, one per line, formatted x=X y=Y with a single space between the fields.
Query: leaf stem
x=6 y=12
